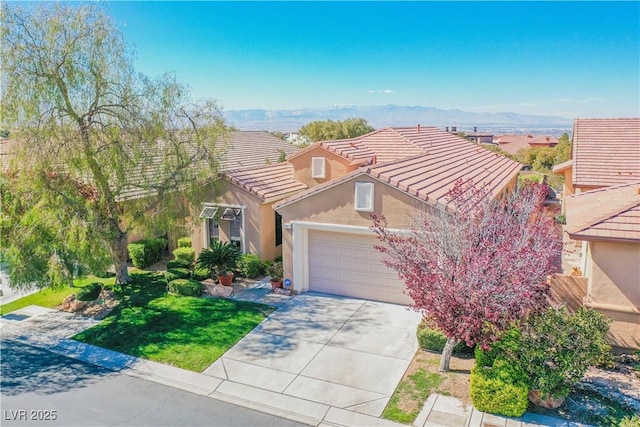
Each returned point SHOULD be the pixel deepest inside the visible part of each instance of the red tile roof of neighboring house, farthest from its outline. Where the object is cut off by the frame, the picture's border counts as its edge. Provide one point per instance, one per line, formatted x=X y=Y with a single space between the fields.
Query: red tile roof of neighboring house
x=610 y=213
x=268 y=182
x=443 y=159
x=514 y=143
x=605 y=151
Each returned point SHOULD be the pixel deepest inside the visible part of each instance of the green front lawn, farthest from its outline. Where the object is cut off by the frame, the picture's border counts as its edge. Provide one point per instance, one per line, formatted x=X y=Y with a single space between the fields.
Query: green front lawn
x=50 y=297
x=186 y=332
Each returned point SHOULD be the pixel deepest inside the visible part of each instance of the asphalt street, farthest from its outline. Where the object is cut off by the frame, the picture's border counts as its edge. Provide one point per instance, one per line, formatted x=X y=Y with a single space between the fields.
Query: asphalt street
x=40 y=388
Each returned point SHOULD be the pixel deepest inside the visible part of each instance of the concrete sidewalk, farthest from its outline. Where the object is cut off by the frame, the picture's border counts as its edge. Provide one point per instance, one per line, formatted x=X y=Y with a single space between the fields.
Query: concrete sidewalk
x=51 y=329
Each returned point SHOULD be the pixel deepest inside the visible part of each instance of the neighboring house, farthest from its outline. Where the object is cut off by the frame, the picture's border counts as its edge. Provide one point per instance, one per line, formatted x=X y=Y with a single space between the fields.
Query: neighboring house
x=479 y=137
x=607 y=220
x=328 y=245
x=254 y=180
x=602 y=207
x=514 y=143
x=604 y=152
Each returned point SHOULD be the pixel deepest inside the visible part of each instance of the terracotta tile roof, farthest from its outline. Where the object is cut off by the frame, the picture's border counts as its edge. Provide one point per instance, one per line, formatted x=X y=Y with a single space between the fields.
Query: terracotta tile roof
x=248 y=149
x=430 y=177
x=268 y=182
x=514 y=143
x=605 y=151
x=610 y=213
x=394 y=143
x=443 y=158
x=562 y=166
x=386 y=144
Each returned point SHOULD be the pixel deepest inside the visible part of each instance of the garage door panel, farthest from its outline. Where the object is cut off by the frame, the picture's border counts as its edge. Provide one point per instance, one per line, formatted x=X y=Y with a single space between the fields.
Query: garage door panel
x=348 y=264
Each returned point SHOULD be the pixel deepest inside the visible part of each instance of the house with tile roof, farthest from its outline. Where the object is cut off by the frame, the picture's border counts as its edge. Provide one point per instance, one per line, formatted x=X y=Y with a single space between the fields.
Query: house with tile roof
x=601 y=201
x=604 y=152
x=607 y=221
x=242 y=212
x=513 y=143
x=328 y=245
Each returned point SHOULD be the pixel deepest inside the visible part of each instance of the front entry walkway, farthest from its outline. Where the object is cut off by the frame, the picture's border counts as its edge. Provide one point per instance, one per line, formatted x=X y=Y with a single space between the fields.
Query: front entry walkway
x=342 y=352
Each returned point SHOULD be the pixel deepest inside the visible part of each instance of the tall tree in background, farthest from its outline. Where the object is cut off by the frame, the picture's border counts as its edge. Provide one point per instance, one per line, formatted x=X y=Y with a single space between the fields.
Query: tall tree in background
x=477 y=265
x=99 y=150
x=563 y=149
x=324 y=130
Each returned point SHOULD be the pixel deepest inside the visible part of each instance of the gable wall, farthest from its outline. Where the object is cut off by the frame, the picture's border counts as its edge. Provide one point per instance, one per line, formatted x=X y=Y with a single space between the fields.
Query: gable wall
x=234 y=195
x=336 y=206
x=335 y=166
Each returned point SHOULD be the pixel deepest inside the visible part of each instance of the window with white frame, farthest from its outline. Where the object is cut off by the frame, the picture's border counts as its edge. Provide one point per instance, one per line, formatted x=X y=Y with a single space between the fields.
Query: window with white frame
x=214 y=230
x=318 y=167
x=364 y=196
x=235 y=230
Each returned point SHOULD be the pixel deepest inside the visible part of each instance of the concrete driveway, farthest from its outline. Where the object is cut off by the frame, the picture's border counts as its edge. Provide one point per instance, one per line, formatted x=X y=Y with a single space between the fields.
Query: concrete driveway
x=342 y=352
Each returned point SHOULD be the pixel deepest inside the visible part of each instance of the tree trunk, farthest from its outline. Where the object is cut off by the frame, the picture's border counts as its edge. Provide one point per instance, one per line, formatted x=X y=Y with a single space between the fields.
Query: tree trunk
x=446 y=354
x=120 y=255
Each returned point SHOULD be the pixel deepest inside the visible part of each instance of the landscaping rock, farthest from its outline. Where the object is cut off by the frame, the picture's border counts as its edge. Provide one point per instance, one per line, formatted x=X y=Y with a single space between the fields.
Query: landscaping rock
x=218 y=290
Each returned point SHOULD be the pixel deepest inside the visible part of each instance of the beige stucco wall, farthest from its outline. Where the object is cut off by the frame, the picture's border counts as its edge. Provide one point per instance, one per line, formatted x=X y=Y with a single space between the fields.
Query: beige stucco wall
x=269 y=250
x=259 y=223
x=336 y=206
x=335 y=166
x=613 y=287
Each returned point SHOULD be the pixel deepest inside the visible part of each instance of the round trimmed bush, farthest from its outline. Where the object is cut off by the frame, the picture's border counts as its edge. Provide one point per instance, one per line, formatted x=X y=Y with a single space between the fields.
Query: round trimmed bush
x=200 y=274
x=500 y=389
x=178 y=263
x=184 y=242
x=176 y=273
x=185 y=287
x=187 y=254
x=90 y=292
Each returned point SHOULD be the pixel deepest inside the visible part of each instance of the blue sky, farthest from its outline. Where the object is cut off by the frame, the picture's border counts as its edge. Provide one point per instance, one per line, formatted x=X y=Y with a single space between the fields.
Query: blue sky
x=574 y=59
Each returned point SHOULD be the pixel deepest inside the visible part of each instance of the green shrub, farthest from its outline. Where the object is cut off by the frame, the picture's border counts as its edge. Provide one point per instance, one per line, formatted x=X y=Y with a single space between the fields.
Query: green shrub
x=147 y=251
x=505 y=348
x=498 y=391
x=558 y=347
x=631 y=421
x=178 y=263
x=184 y=242
x=185 y=287
x=177 y=273
x=250 y=265
x=89 y=292
x=186 y=254
x=200 y=274
x=430 y=338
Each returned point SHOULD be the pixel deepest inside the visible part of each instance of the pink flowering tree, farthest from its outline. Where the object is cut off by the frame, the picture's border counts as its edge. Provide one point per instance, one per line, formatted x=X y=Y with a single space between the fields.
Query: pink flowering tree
x=474 y=266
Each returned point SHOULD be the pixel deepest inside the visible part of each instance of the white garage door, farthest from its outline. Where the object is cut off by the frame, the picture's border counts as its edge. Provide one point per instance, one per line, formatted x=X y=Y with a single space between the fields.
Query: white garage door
x=348 y=264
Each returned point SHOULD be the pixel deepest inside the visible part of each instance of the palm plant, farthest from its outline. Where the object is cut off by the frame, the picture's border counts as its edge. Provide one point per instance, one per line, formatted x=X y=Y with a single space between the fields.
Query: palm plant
x=220 y=258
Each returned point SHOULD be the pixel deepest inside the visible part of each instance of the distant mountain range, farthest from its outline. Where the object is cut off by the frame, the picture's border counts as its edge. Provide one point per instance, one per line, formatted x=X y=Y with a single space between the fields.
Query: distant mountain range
x=397 y=115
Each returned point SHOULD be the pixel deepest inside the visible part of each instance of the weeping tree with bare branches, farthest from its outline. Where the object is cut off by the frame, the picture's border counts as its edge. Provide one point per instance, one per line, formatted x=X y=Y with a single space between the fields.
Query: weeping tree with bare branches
x=98 y=150
x=476 y=264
